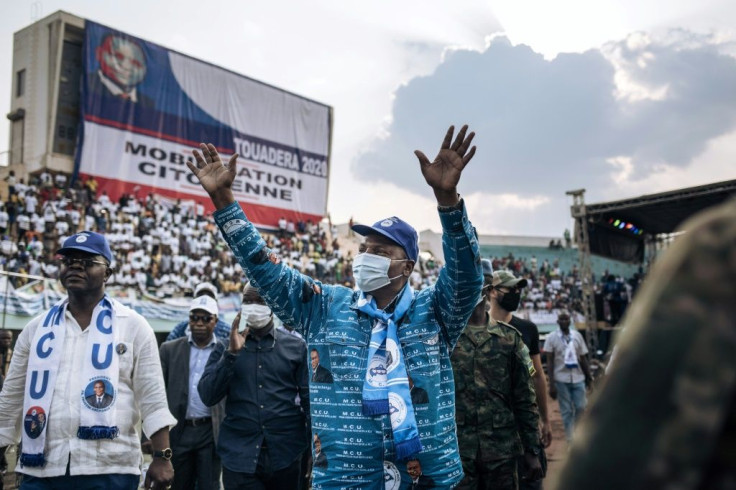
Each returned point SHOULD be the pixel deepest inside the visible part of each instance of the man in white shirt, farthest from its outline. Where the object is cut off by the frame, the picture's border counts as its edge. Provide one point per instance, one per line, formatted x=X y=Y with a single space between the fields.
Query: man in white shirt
x=566 y=351
x=24 y=225
x=60 y=181
x=4 y=220
x=31 y=201
x=68 y=459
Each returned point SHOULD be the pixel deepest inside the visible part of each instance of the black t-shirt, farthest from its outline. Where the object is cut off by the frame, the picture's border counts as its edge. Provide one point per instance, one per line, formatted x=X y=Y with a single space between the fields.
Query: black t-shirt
x=529 y=333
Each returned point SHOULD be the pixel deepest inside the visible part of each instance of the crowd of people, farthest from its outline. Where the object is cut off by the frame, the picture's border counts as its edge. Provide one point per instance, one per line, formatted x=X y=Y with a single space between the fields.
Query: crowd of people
x=165 y=248
x=364 y=428
x=376 y=385
x=161 y=246
x=552 y=288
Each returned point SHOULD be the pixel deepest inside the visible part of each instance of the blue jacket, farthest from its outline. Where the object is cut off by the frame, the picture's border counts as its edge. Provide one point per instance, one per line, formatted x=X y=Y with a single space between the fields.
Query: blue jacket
x=359 y=449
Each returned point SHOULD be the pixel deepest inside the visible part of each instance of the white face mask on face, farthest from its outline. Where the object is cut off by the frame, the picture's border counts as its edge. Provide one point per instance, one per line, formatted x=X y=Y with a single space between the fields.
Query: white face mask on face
x=255 y=316
x=371 y=271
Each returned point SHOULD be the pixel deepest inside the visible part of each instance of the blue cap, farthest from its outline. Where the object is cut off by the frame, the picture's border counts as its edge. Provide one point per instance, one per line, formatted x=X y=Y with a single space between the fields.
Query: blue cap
x=87 y=241
x=396 y=230
x=487 y=271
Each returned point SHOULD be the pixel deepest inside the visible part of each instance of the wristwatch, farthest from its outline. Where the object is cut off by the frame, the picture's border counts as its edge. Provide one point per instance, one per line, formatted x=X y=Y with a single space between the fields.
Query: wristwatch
x=165 y=454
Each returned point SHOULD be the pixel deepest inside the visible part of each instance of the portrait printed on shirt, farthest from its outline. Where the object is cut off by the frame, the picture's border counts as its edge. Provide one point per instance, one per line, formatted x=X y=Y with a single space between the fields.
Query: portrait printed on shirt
x=419 y=395
x=320 y=374
x=418 y=478
x=318 y=456
x=99 y=395
x=34 y=422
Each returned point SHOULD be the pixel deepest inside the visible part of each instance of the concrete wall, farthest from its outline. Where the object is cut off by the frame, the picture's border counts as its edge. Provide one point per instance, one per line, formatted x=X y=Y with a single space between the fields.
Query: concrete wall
x=37 y=49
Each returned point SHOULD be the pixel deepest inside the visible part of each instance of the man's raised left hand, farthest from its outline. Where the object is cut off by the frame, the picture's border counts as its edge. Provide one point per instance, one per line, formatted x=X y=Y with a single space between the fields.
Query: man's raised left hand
x=444 y=172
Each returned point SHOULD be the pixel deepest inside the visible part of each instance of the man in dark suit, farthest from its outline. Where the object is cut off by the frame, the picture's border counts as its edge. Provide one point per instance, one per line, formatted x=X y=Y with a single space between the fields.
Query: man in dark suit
x=418 y=480
x=419 y=395
x=100 y=399
x=320 y=374
x=122 y=68
x=320 y=460
x=193 y=439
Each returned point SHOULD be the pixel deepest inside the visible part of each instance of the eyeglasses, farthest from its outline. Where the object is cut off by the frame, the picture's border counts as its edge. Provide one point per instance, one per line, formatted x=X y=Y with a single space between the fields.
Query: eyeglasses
x=84 y=262
x=200 y=318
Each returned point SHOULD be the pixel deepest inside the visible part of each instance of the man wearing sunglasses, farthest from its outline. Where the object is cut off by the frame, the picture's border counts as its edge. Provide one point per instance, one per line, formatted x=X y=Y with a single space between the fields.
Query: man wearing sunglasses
x=183 y=362
x=222 y=328
x=86 y=337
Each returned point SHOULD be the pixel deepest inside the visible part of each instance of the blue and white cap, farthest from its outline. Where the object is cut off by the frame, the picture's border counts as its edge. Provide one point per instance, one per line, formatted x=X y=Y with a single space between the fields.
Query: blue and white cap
x=87 y=241
x=205 y=303
x=396 y=230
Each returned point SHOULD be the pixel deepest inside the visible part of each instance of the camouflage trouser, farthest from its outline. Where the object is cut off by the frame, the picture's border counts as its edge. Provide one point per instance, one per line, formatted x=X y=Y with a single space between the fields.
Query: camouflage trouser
x=489 y=475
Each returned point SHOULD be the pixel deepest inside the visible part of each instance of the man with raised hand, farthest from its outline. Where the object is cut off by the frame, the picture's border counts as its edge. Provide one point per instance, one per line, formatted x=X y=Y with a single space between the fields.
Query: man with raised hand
x=372 y=339
x=260 y=371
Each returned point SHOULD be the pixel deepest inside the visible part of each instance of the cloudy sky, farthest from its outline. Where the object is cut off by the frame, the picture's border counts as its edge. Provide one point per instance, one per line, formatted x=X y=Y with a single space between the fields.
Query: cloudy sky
x=621 y=97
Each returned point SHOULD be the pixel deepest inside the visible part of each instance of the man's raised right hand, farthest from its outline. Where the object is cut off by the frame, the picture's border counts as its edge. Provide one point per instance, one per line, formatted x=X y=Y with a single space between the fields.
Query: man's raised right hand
x=215 y=177
x=237 y=339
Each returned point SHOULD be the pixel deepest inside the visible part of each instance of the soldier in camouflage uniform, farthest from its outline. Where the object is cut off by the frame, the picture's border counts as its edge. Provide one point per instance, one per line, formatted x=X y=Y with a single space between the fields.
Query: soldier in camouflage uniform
x=665 y=416
x=495 y=405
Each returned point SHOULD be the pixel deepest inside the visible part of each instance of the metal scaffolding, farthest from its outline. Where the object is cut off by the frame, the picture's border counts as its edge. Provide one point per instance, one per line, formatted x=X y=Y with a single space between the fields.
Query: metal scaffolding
x=580 y=215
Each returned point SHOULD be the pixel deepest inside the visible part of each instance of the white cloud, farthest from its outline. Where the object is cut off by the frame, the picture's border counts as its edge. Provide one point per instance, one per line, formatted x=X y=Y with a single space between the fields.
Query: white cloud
x=545 y=126
x=355 y=55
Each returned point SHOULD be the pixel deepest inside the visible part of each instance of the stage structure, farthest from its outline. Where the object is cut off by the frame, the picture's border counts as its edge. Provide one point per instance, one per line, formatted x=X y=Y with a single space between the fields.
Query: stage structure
x=97 y=103
x=634 y=230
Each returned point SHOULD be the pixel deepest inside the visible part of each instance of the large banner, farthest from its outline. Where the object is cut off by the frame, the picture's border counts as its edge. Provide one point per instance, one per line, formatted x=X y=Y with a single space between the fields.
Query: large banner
x=145 y=107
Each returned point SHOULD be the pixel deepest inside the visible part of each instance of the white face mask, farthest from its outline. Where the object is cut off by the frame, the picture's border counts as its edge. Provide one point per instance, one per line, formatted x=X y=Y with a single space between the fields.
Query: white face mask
x=371 y=271
x=255 y=316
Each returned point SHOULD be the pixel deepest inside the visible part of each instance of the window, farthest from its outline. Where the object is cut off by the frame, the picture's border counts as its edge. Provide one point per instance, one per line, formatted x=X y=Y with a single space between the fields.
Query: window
x=20 y=83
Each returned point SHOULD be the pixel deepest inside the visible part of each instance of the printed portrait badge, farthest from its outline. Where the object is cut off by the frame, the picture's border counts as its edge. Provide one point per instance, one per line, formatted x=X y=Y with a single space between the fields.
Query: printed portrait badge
x=34 y=422
x=99 y=395
x=391 y=476
x=392 y=355
x=376 y=375
x=397 y=409
x=121 y=349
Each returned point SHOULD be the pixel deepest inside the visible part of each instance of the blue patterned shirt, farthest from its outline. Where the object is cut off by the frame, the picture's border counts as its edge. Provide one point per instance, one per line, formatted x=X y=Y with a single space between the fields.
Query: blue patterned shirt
x=358 y=450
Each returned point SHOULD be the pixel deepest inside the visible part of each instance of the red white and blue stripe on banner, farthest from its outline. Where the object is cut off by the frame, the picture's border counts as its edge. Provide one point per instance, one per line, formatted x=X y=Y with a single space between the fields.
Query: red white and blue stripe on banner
x=145 y=107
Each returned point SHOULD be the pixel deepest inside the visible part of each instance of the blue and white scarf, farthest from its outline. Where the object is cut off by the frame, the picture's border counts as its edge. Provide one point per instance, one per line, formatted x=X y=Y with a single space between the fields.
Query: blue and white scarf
x=571 y=354
x=386 y=385
x=97 y=414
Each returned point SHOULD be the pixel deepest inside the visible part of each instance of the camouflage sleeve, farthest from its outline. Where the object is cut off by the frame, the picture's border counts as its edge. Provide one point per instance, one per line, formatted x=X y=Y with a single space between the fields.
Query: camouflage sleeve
x=458 y=286
x=526 y=413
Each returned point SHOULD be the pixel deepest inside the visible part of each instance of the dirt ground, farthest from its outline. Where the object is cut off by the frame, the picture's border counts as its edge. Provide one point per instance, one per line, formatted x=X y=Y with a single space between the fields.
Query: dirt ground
x=557 y=451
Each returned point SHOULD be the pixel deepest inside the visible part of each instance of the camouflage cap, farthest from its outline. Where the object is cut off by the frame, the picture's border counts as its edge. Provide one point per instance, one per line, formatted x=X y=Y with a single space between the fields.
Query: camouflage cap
x=505 y=279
